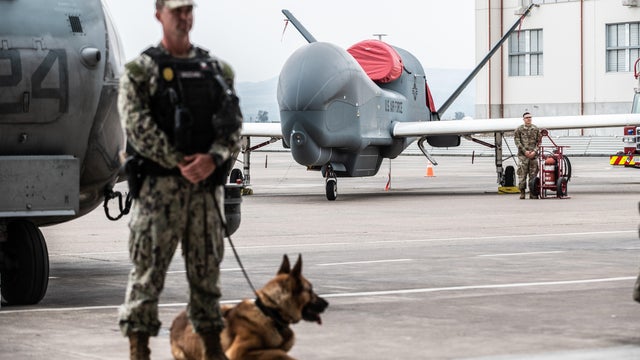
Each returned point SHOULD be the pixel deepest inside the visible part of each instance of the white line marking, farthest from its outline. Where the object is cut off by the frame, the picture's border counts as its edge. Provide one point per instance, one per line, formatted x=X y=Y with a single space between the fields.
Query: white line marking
x=364 y=262
x=479 y=238
x=184 y=271
x=388 y=241
x=353 y=294
x=476 y=287
x=94 y=308
x=523 y=253
x=91 y=253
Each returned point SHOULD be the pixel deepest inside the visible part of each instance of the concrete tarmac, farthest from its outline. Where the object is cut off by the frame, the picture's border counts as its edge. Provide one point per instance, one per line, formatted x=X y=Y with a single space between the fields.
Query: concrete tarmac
x=437 y=267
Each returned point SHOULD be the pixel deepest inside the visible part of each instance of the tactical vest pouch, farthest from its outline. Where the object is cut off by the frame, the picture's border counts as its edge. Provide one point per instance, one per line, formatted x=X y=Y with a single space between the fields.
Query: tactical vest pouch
x=183 y=128
x=228 y=119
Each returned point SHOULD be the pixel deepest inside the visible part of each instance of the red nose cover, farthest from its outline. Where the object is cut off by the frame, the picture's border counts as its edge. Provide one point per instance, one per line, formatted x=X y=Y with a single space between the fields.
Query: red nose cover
x=380 y=61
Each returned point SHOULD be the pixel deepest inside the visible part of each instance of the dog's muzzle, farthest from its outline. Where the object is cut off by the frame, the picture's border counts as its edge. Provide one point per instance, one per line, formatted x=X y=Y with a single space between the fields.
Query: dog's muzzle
x=312 y=311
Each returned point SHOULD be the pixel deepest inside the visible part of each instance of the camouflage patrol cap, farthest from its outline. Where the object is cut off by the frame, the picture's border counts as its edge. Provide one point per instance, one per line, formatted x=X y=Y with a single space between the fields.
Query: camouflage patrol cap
x=173 y=4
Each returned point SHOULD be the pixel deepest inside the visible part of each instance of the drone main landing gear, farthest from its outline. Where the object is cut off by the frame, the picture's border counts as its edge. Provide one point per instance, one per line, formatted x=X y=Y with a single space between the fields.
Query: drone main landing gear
x=245 y=176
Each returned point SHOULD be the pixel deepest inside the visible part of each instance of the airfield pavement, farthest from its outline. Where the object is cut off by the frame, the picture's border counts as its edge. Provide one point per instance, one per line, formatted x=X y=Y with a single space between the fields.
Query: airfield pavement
x=439 y=267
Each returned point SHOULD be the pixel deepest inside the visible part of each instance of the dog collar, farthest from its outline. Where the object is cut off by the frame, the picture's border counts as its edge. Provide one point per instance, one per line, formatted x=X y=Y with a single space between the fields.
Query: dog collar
x=272 y=313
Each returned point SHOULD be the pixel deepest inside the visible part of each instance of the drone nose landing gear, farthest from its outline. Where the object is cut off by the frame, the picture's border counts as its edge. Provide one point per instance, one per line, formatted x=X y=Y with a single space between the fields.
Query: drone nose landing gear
x=331 y=183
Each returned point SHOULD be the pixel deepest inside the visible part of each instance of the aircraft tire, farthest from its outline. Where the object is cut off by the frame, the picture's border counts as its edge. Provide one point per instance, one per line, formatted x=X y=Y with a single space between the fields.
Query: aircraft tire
x=26 y=276
x=534 y=186
x=509 y=176
x=236 y=174
x=332 y=189
x=561 y=187
x=567 y=168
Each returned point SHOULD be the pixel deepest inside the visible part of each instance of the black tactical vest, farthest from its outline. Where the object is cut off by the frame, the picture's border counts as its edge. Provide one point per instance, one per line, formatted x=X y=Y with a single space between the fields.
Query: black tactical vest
x=187 y=97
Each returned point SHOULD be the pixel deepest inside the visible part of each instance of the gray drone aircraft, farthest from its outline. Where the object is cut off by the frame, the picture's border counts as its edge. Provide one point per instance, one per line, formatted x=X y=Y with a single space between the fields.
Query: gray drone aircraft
x=344 y=111
x=60 y=134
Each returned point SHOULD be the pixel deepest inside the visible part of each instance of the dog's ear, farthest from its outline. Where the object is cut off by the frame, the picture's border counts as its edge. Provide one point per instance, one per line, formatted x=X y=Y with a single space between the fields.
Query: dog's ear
x=297 y=268
x=285 y=267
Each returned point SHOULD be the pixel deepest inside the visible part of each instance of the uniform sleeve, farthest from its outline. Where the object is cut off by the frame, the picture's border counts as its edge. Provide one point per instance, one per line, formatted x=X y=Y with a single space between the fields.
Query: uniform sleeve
x=227 y=73
x=518 y=140
x=225 y=147
x=142 y=132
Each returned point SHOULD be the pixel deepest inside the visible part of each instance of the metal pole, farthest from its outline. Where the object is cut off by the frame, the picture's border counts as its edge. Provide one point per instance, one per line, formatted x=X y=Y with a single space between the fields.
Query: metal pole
x=477 y=69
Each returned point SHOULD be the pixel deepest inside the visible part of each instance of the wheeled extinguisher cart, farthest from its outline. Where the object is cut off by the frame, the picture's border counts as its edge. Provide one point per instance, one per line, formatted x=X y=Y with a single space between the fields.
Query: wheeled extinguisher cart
x=554 y=170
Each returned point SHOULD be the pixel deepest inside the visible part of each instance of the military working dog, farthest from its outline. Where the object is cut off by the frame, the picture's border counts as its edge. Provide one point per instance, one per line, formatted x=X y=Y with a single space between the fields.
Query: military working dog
x=258 y=329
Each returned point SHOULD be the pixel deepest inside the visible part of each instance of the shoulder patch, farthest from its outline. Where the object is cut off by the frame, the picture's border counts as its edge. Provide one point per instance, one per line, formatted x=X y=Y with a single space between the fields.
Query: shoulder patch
x=227 y=71
x=140 y=69
x=134 y=68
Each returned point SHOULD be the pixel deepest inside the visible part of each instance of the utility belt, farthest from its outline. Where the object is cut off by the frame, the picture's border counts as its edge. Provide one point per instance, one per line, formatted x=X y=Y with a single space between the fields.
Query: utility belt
x=154 y=169
x=138 y=168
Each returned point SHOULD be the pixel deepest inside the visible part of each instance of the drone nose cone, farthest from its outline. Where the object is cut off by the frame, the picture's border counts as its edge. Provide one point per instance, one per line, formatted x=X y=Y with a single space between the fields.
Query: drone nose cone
x=314 y=76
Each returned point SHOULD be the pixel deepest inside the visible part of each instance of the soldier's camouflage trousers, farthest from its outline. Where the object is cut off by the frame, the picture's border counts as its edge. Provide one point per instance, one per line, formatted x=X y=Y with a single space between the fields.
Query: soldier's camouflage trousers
x=527 y=167
x=171 y=210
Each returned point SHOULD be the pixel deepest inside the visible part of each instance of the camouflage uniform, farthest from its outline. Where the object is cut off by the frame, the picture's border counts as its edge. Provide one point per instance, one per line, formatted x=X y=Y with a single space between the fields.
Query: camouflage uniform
x=526 y=139
x=169 y=210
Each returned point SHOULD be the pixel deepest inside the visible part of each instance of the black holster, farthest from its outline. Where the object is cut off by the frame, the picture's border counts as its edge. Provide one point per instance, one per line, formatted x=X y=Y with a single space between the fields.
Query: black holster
x=134 y=168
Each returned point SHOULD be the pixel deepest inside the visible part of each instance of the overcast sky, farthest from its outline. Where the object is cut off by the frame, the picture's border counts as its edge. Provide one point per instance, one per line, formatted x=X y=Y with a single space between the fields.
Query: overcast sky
x=249 y=33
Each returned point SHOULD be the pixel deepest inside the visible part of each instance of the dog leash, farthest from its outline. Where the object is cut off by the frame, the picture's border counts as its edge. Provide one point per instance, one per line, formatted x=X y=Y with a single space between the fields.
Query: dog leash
x=235 y=253
x=233 y=247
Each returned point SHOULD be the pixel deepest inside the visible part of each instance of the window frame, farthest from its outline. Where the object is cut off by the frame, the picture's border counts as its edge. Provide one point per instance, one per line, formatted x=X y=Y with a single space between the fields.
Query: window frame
x=526 y=55
x=625 y=52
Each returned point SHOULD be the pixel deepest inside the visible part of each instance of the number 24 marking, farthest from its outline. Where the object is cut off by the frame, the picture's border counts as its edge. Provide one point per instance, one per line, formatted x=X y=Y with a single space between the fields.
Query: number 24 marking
x=37 y=91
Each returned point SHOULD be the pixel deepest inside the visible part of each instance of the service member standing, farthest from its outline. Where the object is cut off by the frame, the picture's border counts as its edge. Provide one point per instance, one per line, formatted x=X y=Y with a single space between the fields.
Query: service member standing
x=527 y=139
x=182 y=123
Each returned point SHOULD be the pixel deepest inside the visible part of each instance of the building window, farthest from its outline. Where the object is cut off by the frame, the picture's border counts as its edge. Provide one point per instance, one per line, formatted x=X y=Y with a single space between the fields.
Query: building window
x=623 y=46
x=525 y=53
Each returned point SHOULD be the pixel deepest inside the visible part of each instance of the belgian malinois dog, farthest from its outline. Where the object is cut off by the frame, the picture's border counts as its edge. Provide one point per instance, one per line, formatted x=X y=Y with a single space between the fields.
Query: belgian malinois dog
x=258 y=329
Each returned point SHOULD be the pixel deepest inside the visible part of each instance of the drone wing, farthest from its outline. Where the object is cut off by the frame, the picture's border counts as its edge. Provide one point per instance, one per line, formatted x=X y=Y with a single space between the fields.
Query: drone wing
x=476 y=126
x=262 y=129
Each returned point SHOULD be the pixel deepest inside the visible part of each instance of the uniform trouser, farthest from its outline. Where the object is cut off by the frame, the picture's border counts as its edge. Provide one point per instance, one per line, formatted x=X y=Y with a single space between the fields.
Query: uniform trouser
x=526 y=168
x=170 y=210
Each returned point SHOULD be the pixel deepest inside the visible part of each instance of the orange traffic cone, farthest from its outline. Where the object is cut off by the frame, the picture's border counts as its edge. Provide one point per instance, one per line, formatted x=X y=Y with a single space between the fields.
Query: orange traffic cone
x=429 y=171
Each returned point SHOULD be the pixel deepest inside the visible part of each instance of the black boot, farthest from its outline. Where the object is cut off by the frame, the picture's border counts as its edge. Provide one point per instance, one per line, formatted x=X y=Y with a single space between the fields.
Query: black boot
x=212 y=349
x=139 y=346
